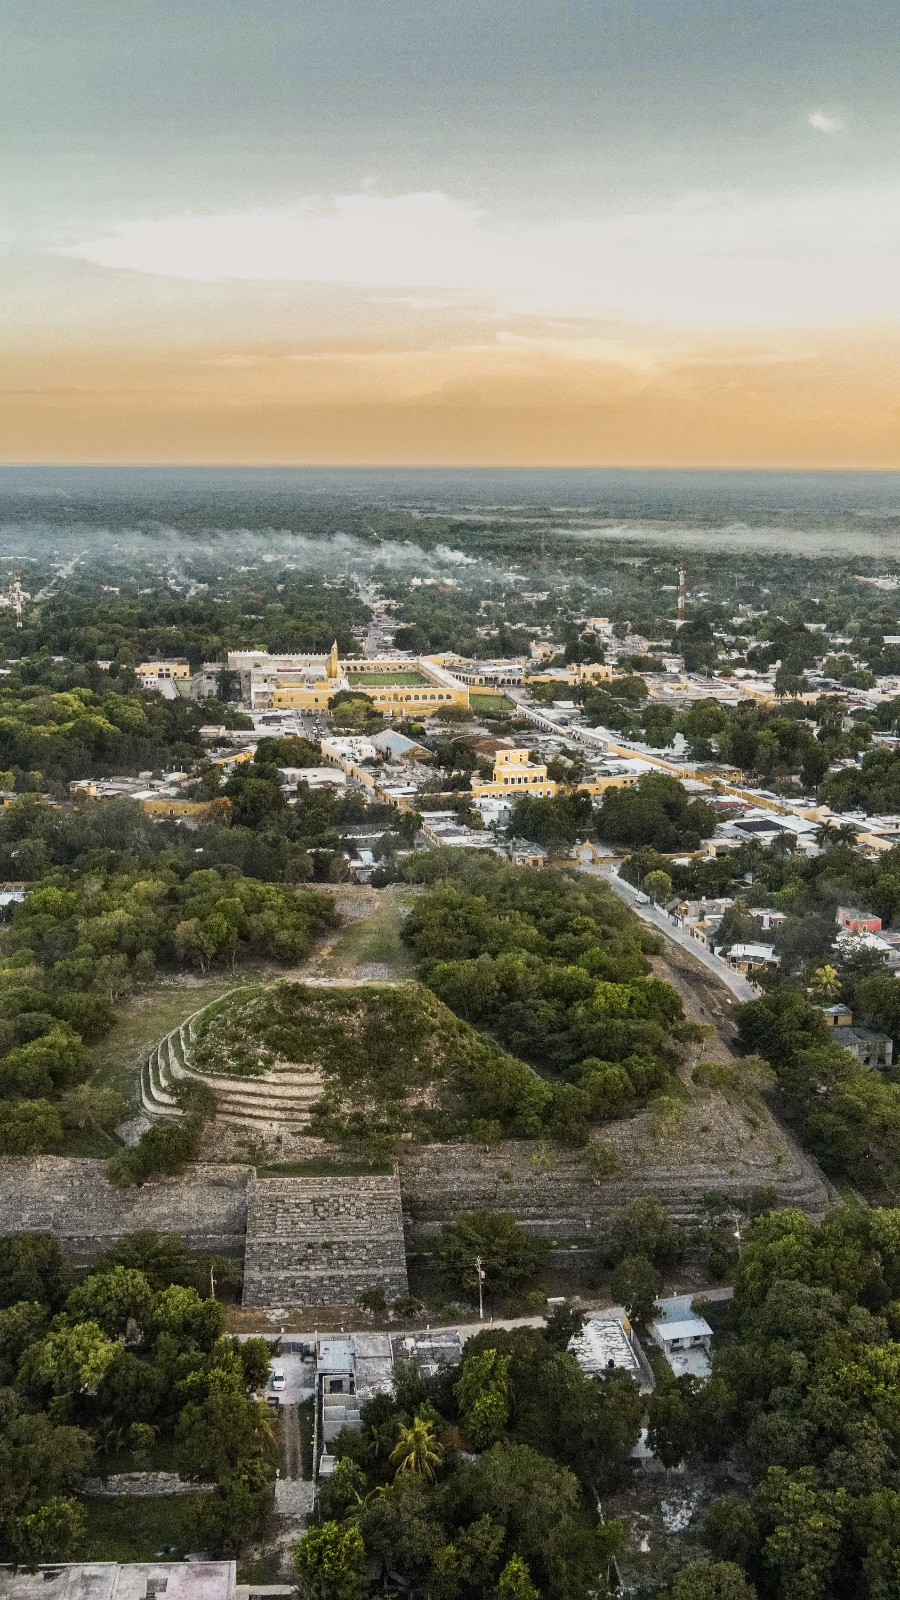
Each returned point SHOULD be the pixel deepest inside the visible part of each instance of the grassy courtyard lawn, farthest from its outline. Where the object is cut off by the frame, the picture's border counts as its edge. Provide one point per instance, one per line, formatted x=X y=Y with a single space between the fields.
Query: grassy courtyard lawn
x=137 y=1528
x=388 y=679
x=488 y=704
x=374 y=941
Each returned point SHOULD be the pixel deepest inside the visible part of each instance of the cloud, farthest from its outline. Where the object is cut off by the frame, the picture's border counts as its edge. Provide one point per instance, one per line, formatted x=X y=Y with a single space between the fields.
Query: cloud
x=702 y=261
x=823 y=123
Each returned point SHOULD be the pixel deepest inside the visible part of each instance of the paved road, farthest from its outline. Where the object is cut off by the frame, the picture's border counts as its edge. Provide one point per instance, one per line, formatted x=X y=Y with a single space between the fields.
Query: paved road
x=738 y=985
x=299 y=1379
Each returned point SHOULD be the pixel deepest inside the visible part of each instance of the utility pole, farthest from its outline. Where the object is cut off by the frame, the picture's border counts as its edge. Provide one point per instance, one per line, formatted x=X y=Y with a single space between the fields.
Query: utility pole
x=480 y=1273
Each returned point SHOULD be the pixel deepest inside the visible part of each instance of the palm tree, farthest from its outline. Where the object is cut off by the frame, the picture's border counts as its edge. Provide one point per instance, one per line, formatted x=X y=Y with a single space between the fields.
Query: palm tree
x=417 y=1449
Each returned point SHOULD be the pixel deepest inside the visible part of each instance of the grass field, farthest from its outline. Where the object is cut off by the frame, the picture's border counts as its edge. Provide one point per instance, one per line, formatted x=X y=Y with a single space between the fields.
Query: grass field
x=324 y=1169
x=138 y=1528
x=404 y=680
x=374 y=941
x=490 y=704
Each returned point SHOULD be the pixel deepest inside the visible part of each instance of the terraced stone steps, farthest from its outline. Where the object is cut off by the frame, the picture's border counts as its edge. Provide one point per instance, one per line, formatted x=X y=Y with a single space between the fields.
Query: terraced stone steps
x=282 y=1097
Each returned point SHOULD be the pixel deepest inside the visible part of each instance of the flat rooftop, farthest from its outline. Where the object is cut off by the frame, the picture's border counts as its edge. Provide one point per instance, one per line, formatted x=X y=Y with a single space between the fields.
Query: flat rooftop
x=602 y=1344
x=374 y=1364
x=112 y=1580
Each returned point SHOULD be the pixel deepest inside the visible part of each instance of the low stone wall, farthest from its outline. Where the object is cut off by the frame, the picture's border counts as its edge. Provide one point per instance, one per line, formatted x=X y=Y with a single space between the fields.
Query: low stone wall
x=142 y=1485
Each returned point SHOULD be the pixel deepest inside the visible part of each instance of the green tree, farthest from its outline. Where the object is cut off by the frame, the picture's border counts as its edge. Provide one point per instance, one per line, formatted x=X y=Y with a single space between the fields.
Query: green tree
x=20 y=1325
x=807 y=1525
x=658 y=886
x=712 y=1580
x=110 y=1299
x=237 y=1512
x=160 y=1257
x=417 y=1450
x=515 y=1582
x=39 y=1461
x=732 y=1531
x=217 y=1435
x=635 y=1284
x=672 y=1421
x=468 y=1564
x=644 y=1228
x=70 y=1360
x=189 y=1320
x=373 y=1300
x=91 y=1105
x=29 y=1127
x=32 y=1267
x=483 y=1393
x=509 y=1255
x=564 y=1324
x=53 y=1532
x=825 y=983
x=330 y=1562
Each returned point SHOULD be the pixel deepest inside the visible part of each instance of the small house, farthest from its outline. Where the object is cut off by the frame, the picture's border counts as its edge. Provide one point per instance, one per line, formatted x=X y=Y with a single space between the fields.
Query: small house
x=869 y=1047
x=684 y=1338
x=747 y=958
x=857 y=921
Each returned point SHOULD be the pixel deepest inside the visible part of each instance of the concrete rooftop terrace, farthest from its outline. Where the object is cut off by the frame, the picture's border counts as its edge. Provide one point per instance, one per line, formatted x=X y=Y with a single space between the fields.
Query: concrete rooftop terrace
x=112 y=1580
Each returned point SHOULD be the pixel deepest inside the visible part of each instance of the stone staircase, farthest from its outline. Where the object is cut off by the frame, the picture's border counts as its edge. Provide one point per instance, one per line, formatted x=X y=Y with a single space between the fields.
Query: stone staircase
x=321 y=1241
x=276 y=1101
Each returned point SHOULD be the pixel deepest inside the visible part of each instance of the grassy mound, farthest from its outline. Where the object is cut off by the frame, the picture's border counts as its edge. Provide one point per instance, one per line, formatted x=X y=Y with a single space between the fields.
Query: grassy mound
x=393 y=1059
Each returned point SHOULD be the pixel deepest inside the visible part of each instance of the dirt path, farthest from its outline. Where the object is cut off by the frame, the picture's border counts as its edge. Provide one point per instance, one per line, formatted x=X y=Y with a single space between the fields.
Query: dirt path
x=704 y=998
x=291 y=1454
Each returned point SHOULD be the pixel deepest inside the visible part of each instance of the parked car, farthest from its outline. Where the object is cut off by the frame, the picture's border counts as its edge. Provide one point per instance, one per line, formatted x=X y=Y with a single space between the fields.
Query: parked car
x=278 y=1380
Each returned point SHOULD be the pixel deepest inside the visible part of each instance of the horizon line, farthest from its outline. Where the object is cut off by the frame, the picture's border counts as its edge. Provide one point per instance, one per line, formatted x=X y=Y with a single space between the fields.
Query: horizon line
x=438 y=466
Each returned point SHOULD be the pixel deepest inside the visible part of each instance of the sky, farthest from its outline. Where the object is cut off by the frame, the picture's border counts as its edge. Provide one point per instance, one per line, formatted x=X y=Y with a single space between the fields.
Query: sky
x=461 y=232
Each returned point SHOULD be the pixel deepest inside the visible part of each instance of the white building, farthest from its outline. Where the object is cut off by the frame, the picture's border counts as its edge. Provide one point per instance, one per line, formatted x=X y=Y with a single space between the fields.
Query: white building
x=604 y=1345
x=684 y=1338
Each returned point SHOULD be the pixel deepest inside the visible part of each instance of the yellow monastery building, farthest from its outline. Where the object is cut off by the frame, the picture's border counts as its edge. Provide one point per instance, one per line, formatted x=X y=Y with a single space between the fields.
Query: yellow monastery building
x=397 y=686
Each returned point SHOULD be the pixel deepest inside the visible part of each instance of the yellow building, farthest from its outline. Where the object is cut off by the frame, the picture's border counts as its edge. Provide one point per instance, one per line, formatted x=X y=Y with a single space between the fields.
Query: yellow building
x=580 y=672
x=514 y=774
x=177 y=668
x=610 y=780
x=166 y=806
x=396 y=686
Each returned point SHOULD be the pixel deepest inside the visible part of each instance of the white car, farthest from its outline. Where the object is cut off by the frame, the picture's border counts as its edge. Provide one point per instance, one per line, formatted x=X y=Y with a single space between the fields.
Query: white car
x=278 y=1380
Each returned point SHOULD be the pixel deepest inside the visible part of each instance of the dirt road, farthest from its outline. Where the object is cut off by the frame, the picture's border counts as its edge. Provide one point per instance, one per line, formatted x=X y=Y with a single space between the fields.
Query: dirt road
x=291 y=1456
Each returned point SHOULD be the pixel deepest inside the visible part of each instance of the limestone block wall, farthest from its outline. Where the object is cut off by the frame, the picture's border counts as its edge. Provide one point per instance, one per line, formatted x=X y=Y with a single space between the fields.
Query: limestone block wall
x=552 y=1191
x=323 y=1241
x=72 y=1199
